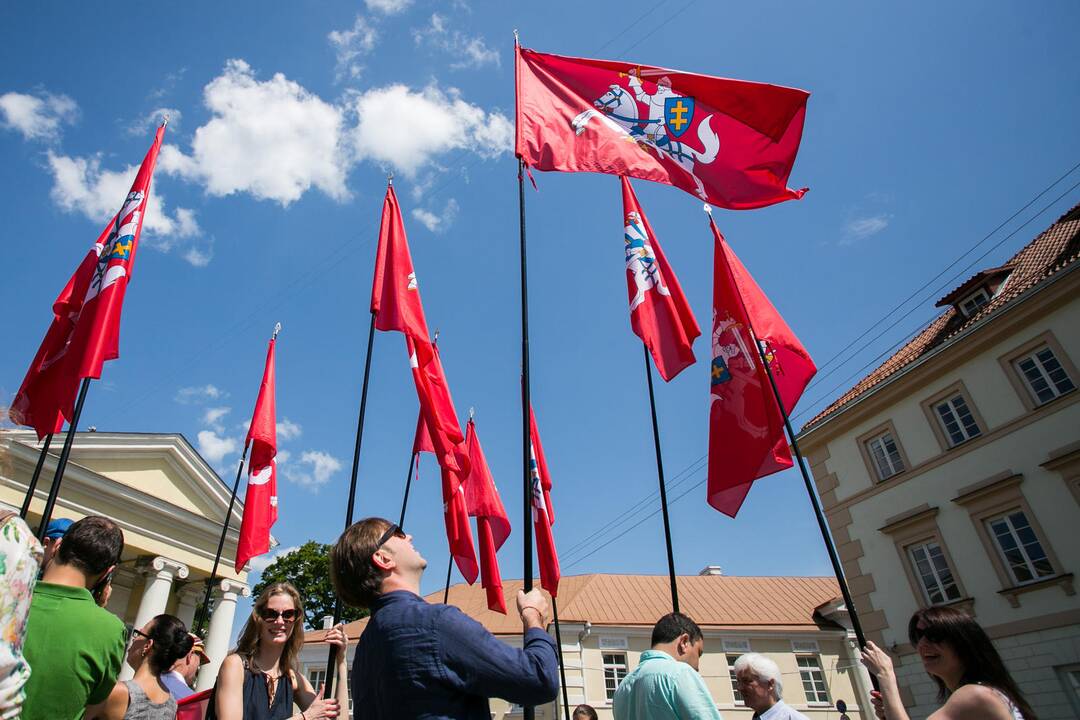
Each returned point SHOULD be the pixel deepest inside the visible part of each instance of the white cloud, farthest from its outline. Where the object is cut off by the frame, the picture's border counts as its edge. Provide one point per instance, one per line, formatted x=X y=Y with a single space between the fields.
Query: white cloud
x=387 y=7
x=406 y=128
x=352 y=44
x=81 y=185
x=282 y=457
x=213 y=416
x=261 y=562
x=198 y=395
x=862 y=228
x=272 y=138
x=437 y=223
x=151 y=121
x=470 y=51
x=320 y=466
x=37 y=117
x=199 y=257
x=287 y=429
x=214 y=447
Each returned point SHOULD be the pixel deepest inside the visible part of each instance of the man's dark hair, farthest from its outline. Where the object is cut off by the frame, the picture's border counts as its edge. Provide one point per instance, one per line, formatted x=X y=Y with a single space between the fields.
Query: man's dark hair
x=93 y=545
x=670 y=627
x=357 y=580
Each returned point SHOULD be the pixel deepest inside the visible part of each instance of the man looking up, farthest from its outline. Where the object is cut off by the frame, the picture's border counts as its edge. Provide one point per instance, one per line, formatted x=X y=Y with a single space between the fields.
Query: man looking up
x=761 y=687
x=666 y=685
x=422 y=660
x=74 y=647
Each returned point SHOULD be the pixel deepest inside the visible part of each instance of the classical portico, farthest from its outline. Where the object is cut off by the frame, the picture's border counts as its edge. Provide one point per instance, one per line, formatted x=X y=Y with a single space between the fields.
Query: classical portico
x=170 y=505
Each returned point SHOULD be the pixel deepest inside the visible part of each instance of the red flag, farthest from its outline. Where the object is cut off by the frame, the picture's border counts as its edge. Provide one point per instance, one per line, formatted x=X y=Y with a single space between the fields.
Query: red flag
x=422 y=440
x=659 y=312
x=543 y=513
x=194 y=707
x=261 y=500
x=492 y=523
x=746 y=429
x=731 y=143
x=458 y=530
x=85 y=331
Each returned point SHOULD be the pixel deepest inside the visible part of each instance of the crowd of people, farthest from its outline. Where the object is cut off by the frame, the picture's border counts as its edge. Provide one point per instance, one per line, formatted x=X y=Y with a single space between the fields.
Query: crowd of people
x=62 y=652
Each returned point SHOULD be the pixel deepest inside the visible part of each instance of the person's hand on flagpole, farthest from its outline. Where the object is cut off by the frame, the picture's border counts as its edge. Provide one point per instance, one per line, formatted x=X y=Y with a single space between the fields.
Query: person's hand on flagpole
x=532 y=607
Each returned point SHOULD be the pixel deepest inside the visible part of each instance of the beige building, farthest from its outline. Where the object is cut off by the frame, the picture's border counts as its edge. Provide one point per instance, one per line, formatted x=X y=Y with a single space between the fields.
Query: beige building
x=951 y=474
x=171 y=506
x=606 y=622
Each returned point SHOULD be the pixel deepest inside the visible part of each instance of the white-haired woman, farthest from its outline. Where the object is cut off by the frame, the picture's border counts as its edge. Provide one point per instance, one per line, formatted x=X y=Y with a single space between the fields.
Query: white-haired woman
x=762 y=689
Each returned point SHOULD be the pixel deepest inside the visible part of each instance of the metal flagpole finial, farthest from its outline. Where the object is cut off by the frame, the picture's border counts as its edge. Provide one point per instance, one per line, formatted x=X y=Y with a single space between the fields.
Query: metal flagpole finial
x=436 y=335
x=277 y=329
x=164 y=119
x=390 y=178
x=472 y=413
x=516 y=41
x=708 y=209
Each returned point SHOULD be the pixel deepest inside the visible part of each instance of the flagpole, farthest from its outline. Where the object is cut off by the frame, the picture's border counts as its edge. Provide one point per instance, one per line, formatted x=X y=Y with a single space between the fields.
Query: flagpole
x=332 y=657
x=54 y=490
x=449 y=569
x=34 y=479
x=201 y=618
x=663 y=485
x=414 y=459
x=558 y=646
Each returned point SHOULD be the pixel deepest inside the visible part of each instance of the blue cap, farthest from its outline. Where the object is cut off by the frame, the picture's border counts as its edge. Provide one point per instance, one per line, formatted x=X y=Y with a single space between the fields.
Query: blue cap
x=58 y=528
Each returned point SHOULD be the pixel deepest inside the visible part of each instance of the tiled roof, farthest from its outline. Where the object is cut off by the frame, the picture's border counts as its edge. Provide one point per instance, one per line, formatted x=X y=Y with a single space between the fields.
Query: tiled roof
x=720 y=601
x=1048 y=254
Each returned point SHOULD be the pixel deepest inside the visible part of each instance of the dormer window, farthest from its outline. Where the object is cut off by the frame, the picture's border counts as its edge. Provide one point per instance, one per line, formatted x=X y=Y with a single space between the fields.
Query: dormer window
x=971 y=304
x=977 y=291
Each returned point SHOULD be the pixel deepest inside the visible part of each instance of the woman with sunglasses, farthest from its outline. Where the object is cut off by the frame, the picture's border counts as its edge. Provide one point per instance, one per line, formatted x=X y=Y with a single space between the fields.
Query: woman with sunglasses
x=260 y=679
x=152 y=650
x=957 y=653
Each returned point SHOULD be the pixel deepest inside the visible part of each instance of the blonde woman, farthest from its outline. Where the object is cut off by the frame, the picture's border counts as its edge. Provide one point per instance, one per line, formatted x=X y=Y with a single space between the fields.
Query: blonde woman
x=259 y=680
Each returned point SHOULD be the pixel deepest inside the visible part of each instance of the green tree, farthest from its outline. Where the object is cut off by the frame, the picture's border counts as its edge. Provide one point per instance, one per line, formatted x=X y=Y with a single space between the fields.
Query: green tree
x=308 y=569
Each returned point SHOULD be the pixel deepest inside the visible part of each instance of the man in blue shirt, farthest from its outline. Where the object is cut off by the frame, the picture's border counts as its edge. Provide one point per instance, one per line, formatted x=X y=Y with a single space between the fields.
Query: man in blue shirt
x=666 y=684
x=430 y=661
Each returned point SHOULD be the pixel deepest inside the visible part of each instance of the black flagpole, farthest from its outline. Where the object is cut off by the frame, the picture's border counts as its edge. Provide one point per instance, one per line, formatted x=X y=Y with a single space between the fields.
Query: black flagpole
x=663 y=485
x=221 y=543
x=449 y=569
x=54 y=491
x=332 y=657
x=33 y=480
x=558 y=645
x=528 y=712
x=414 y=459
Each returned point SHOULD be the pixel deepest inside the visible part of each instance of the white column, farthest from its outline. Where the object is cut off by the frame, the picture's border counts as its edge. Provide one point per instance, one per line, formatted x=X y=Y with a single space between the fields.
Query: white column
x=160 y=572
x=217 y=637
x=859 y=674
x=188 y=599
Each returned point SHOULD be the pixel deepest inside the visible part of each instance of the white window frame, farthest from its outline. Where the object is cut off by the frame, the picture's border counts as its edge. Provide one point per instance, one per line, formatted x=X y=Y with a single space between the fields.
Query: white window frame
x=935 y=572
x=1007 y=517
x=956 y=405
x=735 y=694
x=969 y=305
x=316 y=675
x=813 y=702
x=1070 y=680
x=894 y=467
x=1040 y=366
x=615 y=668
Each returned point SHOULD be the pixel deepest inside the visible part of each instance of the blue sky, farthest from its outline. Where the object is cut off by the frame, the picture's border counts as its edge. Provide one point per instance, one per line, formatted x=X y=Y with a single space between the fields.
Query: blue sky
x=927 y=127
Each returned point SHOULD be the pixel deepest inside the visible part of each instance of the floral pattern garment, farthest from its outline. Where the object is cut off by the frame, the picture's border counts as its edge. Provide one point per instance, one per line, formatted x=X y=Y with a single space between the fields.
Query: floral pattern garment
x=20 y=557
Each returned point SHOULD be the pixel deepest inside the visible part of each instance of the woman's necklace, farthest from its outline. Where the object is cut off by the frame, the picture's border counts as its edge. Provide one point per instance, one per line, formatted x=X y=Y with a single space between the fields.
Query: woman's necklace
x=271 y=681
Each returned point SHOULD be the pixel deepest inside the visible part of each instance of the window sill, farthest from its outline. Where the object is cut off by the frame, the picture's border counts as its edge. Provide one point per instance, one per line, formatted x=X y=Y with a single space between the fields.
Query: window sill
x=967 y=604
x=1064 y=580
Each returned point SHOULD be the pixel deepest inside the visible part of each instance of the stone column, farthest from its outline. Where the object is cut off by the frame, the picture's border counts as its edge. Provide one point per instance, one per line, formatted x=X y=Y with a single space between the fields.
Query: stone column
x=188 y=599
x=221 y=623
x=160 y=573
x=859 y=674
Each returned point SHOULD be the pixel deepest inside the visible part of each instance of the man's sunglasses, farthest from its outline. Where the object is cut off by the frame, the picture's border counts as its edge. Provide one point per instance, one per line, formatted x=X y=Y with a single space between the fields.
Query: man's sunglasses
x=392 y=531
x=270 y=615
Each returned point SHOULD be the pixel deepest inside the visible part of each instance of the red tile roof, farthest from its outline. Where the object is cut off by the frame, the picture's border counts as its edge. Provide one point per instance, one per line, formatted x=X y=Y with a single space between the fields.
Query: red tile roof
x=1047 y=255
x=714 y=601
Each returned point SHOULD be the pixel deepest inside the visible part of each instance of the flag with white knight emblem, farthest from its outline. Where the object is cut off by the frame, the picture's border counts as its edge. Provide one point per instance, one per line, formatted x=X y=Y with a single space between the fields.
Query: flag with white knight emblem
x=261 y=498
x=543 y=513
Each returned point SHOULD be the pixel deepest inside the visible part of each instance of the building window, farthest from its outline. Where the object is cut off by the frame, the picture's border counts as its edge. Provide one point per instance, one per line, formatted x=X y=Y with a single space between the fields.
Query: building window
x=885 y=455
x=734 y=680
x=813 y=680
x=1044 y=375
x=1020 y=547
x=972 y=303
x=614 y=672
x=317 y=676
x=935 y=576
x=1070 y=678
x=957 y=420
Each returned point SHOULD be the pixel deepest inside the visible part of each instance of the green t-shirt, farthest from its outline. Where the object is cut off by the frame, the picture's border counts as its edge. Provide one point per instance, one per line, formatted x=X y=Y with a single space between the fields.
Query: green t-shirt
x=74 y=649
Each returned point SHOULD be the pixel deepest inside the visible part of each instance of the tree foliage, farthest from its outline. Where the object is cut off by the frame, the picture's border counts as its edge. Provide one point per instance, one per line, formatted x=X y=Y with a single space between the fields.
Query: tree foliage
x=308 y=569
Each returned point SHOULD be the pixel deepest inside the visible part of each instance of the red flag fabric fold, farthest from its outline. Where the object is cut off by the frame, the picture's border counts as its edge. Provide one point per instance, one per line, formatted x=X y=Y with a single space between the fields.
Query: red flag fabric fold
x=659 y=312
x=85 y=330
x=261 y=498
x=730 y=143
x=492 y=523
x=746 y=429
x=543 y=513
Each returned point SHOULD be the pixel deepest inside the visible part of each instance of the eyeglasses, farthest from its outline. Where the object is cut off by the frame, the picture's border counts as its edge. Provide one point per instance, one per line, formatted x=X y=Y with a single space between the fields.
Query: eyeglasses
x=270 y=615
x=932 y=634
x=137 y=633
x=392 y=531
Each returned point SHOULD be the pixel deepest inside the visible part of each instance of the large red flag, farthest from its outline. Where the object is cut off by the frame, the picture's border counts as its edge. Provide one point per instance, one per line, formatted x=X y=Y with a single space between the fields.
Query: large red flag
x=659 y=312
x=492 y=523
x=458 y=531
x=746 y=429
x=731 y=143
x=85 y=331
x=543 y=513
x=261 y=500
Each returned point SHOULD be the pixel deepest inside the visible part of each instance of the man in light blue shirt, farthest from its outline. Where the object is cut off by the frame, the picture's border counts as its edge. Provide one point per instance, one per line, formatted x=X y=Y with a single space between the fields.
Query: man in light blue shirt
x=666 y=684
x=761 y=688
